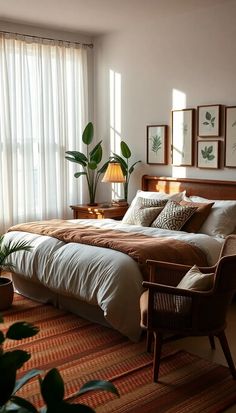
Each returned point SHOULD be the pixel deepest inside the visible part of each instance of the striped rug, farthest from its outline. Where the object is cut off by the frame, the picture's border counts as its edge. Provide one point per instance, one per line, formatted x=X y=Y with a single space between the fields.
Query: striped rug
x=85 y=351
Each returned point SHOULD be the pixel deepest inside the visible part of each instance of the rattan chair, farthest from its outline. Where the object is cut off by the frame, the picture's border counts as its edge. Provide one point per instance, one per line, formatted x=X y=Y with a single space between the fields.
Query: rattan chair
x=181 y=312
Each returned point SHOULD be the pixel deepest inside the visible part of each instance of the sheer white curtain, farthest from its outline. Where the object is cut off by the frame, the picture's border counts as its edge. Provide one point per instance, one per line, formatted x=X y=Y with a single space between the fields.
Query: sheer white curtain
x=43 y=110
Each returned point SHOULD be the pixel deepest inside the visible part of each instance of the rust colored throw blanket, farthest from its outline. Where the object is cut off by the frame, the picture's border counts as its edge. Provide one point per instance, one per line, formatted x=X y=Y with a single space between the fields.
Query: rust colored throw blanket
x=140 y=247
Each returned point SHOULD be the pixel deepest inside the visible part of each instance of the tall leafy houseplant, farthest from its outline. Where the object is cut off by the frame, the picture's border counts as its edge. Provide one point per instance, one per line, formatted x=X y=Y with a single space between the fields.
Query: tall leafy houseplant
x=89 y=162
x=51 y=385
x=126 y=168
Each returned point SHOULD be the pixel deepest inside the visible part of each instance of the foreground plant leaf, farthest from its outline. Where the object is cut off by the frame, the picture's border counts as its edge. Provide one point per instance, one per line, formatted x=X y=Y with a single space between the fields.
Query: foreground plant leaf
x=20 y=330
x=98 y=385
x=19 y=401
x=52 y=388
x=28 y=376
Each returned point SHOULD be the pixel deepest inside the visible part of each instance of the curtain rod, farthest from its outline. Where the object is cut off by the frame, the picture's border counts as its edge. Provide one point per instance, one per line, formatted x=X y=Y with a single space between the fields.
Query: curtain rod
x=90 y=45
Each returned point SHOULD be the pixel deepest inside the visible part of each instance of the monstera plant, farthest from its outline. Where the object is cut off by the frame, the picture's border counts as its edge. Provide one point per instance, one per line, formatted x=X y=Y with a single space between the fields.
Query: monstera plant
x=89 y=162
x=51 y=384
x=124 y=162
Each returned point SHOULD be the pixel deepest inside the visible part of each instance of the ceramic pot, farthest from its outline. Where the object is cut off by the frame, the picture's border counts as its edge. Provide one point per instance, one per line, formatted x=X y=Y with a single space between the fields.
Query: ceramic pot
x=6 y=293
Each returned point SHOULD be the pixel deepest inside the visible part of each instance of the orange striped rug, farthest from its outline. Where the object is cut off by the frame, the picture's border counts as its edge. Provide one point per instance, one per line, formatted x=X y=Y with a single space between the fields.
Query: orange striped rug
x=85 y=351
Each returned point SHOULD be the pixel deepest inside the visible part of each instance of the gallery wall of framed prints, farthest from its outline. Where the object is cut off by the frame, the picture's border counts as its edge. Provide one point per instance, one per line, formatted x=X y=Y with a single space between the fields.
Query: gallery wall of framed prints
x=204 y=137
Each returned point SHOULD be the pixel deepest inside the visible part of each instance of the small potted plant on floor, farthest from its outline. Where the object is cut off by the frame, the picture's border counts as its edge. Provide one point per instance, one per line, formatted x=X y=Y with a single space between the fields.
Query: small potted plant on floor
x=6 y=287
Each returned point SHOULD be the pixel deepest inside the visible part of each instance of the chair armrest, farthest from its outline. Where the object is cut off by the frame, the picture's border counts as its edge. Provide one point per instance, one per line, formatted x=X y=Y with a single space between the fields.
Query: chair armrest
x=169 y=273
x=166 y=273
x=160 y=288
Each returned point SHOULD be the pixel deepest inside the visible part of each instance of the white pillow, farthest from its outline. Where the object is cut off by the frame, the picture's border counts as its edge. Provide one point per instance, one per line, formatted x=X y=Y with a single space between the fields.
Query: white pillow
x=222 y=218
x=177 y=196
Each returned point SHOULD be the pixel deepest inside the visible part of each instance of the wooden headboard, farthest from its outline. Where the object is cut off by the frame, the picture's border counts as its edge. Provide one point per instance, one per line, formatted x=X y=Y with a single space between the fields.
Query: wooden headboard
x=209 y=189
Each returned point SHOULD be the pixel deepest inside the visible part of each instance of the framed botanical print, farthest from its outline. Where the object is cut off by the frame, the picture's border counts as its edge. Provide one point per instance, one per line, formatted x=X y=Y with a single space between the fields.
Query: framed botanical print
x=208 y=120
x=208 y=154
x=157 y=144
x=182 y=137
x=230 y=137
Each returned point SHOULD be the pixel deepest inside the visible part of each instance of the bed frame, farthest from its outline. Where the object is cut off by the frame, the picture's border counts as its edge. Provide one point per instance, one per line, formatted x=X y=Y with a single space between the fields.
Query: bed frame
x=209 y=189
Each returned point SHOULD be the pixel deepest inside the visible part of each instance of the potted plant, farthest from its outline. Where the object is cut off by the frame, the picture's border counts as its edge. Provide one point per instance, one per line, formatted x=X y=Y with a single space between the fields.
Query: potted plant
x=89 y=162
x=126 y=169
x=6 y=287
x=51 y=385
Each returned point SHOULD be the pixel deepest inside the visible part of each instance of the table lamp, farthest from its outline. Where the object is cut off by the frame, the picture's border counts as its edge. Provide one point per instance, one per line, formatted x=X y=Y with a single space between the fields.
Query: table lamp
x=114 y=174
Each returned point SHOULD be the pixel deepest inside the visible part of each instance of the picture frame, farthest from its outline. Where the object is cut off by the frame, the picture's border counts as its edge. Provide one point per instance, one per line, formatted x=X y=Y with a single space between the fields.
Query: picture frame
x=157 y=144
x=230 y=137
x=208 y=154
x=182 y=137
x=208 y=120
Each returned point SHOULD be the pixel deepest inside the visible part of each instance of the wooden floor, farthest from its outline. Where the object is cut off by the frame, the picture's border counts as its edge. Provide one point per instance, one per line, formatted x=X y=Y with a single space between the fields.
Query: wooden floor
x=201 y=347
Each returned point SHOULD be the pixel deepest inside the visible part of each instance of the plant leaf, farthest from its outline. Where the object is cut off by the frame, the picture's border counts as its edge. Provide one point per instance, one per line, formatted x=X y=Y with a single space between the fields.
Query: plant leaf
x=98 y=385
x=28 y=376
x=78 y=160
x=78 y=156
x=92 y=165
x=87 y=136
x=13 y=359
x=19 y=401
x=211 y=157
x=52 y=387
x=7 y=382
x=208 y=116
x=96 y=154
x=125 y=150
x=20 y=330
x=210 y=149
x=78 y=174
x=205 y=123
x=132 y=167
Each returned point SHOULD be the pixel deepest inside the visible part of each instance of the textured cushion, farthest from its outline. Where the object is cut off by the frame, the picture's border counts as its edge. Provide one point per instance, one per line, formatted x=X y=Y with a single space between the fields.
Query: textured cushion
x=197 y=219
x=177 y=196
x=222 y=218
x=144 y=211
x=173 y=216
x=195 y=280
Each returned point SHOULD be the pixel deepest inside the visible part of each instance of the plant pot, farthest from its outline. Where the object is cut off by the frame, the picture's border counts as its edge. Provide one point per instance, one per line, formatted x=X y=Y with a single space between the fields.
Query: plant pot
x=6 y=293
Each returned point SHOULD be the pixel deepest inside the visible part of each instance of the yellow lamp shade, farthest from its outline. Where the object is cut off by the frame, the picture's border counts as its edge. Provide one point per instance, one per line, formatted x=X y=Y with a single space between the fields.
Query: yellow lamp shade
x=113 y=173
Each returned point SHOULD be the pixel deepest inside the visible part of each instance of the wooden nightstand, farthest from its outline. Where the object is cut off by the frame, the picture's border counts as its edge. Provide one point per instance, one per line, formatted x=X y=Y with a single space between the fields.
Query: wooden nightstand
x=98 y=211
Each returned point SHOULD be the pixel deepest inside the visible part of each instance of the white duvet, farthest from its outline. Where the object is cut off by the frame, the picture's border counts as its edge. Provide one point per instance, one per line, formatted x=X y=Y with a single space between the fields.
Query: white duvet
x=98 y=276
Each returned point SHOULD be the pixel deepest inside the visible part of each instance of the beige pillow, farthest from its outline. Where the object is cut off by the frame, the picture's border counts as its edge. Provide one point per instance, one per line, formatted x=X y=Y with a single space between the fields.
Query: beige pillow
x=144 y=211
x=195 y=280
x=173 y=216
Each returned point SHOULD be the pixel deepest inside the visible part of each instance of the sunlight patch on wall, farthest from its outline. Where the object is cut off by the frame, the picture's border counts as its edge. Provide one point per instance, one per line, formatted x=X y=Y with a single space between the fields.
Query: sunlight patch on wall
x=179 y=102
x=115 y=122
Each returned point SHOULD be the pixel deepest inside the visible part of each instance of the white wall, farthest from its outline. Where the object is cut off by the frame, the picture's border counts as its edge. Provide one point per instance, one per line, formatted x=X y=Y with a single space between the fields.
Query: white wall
x=191 y=50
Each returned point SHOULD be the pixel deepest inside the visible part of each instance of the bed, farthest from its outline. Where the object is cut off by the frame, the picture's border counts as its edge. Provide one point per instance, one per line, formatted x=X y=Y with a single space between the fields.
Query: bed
x=103 y=282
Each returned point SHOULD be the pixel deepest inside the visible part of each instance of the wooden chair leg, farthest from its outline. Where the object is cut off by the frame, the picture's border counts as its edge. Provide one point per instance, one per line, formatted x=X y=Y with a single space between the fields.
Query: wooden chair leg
x=227 y=353
x=149 y=341
x=212 y=342
x=158 y=339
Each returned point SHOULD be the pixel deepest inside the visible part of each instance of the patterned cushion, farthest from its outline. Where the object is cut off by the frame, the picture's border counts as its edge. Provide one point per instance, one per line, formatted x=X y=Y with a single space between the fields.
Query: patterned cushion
x=144 y=211
x=173 y=216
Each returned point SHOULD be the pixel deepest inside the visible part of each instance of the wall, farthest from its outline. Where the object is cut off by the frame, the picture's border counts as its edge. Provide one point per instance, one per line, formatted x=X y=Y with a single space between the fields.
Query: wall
x=191 y=50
